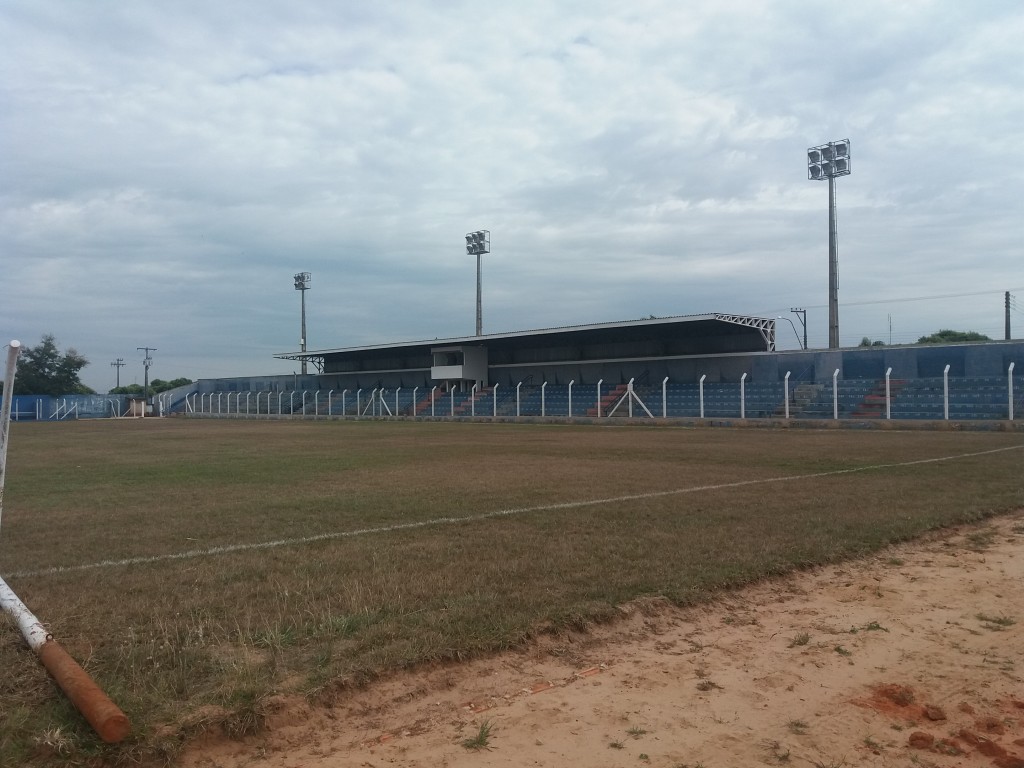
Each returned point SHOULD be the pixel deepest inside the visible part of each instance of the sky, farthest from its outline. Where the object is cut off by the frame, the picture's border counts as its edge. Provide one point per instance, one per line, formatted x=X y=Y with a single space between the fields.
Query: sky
x=166 y=168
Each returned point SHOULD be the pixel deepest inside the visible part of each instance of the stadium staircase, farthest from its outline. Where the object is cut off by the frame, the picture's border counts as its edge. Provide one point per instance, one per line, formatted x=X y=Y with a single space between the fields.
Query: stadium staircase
x=873 y=405
x=608 y=401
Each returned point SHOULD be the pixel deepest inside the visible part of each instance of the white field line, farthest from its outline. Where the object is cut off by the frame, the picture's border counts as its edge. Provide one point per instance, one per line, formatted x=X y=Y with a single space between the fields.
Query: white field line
x=229 y=548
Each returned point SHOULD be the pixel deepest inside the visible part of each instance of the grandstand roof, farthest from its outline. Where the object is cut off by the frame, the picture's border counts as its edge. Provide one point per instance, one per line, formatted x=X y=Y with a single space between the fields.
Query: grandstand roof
x=683 y=334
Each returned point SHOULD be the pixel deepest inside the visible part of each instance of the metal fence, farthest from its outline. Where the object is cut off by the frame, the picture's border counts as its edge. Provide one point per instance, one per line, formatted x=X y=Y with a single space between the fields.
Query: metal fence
x=940 y=398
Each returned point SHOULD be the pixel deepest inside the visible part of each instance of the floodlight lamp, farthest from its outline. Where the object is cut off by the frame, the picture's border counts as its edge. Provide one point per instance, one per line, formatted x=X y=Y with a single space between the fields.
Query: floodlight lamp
x=842 y=148
x=814 y=172
x=813 y=156
x=828 y=153
x=842 y=165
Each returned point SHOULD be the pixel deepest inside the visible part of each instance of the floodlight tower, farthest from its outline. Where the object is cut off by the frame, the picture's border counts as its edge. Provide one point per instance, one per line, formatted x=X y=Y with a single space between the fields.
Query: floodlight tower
x=829 y=161
x=478 y=243
x=302 y=284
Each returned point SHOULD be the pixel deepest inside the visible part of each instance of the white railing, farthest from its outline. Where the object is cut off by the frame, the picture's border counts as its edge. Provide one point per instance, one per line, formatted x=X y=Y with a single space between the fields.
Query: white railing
x=380 y=402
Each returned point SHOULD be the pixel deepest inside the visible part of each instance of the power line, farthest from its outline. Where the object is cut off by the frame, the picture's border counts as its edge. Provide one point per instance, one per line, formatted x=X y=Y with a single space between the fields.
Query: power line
x=912 y=298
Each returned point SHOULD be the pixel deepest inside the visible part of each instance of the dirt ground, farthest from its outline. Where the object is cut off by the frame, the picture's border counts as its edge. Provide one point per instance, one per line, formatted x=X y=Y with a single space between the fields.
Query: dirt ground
x=914 y=657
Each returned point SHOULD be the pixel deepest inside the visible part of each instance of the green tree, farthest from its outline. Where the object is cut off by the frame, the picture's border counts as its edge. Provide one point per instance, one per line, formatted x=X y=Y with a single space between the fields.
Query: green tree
x=156 y=386
x=159 y=385
x=946 y=336
x=127 y=389
x=43 y=370
x=866 y=342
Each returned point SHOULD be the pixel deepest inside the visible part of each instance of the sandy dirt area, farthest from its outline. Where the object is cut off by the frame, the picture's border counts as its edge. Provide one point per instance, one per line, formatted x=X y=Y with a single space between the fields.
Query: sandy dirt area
x=914 y=657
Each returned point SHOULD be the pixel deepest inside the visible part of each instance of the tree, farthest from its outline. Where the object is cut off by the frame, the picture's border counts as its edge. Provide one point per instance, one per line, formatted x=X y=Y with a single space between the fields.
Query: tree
x=43 y=370
x=156 y=386
x=866 y=342
x=946 y=336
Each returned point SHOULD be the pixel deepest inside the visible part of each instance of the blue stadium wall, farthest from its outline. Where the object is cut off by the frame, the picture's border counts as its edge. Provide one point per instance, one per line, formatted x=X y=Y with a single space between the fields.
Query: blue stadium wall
x=987 y=359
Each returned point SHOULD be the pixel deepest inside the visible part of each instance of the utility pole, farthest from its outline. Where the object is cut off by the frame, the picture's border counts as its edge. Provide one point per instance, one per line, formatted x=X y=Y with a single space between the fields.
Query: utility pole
x=118 y=364
x=1007 y=315
x=802 y=314
x=146 y=362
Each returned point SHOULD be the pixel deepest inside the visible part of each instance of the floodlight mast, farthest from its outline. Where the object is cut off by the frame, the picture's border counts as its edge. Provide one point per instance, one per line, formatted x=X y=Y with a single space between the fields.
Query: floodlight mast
x=479 y=243
x=302 y=280
x=829 y=161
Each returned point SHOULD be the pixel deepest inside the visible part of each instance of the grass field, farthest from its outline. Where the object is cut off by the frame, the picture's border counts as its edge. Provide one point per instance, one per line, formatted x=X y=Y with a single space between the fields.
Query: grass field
x=394 y=544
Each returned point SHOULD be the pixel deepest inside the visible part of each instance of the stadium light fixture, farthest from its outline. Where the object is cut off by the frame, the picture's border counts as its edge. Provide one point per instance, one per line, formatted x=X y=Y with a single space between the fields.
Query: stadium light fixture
x=302 y=280
x=478 y=243
x=792 y=325
x=829 y=161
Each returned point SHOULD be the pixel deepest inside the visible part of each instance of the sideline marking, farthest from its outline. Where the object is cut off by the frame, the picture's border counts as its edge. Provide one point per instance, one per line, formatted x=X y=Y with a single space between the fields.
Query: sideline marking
x=229 y=548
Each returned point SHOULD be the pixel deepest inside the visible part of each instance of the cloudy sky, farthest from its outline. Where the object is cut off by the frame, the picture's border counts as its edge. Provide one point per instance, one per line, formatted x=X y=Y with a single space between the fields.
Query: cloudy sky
x=168 y=167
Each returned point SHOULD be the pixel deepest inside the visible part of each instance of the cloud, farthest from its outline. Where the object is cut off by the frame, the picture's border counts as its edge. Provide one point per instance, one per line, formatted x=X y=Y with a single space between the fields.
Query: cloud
x=168 y=168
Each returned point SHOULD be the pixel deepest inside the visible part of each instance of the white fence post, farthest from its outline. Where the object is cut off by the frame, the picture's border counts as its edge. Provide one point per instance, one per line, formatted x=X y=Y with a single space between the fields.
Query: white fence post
x=517 y=398
x=543 y=387
x=599 y=383
x=702 y=395
x=433 y=389
x=412 y=408
x=664 y=398
x=452 y=399
x=571 y=382
x=494 y=396
x=10 y=371
x=396 y=400
x=1009 y=388
x=787 y=393
x=629 y=390
x=835 y=395
x=888 y=394
x=472 y=400
x=359 y=402
x=743 y=396
x=945 y=393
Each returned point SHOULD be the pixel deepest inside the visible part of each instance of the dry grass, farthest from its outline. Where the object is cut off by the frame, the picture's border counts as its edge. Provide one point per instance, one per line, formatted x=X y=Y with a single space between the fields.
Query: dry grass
x=201 y=642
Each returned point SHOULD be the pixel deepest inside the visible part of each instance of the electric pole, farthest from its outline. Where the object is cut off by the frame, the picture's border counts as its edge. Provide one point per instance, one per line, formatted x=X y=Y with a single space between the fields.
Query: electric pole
x=1007 y=315
x=118 y=364
x=146 y=362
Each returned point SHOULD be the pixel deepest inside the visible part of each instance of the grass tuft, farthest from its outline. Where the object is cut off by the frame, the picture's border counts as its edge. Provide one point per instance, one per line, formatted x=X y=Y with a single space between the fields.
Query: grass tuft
x=996 y=623
x=798 y=727
x=482 y=738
